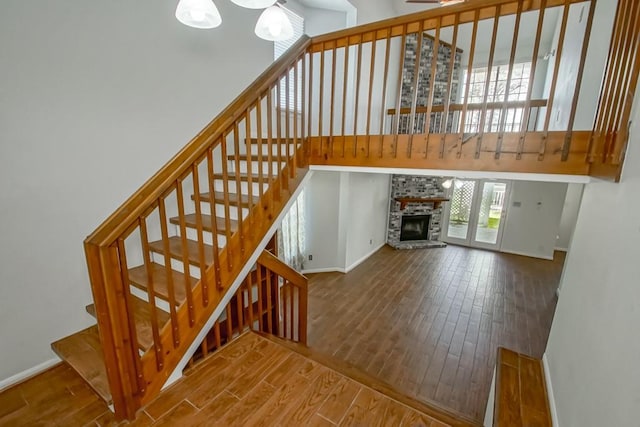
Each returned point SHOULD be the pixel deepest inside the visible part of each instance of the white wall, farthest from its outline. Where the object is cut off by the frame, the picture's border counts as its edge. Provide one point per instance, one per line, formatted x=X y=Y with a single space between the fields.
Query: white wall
x=346 y=218
x=94 y=97
x=593 y=348
x=367 y=215
x=569 y=215
x=531 y=228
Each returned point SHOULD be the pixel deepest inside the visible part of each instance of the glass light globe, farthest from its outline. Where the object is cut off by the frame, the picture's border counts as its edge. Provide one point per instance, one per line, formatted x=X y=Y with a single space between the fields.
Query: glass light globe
x=458 y=184
x=254 y=4
x=274 y=25
x=198 y=14
x=447 y=183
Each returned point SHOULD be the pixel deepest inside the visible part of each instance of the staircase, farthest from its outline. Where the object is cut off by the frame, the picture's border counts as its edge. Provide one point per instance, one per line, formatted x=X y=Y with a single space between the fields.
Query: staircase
x=169 y=265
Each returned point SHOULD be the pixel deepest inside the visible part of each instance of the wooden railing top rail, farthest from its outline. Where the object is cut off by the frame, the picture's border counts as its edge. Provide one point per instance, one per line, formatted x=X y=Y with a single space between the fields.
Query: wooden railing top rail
x=267 y=259
x=410 y=23
x=117 y=224
x=534 y=103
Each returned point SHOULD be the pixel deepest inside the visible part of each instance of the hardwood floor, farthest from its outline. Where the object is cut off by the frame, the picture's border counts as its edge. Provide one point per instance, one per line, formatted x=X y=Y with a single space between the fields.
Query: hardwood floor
x=428 y=321
x=252 y=381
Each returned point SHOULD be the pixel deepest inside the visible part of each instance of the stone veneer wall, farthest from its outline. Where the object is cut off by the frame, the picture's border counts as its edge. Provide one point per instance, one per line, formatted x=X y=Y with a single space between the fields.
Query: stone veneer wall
x=424 y=78
x=415 y=186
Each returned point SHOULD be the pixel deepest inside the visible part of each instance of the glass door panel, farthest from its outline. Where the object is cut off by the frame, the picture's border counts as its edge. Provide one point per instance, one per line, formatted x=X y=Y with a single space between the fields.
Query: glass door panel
x=460 y=211
x=490 y=213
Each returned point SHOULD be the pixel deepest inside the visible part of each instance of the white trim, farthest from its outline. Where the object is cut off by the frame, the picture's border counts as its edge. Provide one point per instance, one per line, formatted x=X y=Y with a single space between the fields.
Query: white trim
x=552 y=399
x=578 y=179
x=491 y=402
x=364 y=258
x=177 y=372
x=324 y=270
x=561 y=249
x=550 y=258
x=28 y=373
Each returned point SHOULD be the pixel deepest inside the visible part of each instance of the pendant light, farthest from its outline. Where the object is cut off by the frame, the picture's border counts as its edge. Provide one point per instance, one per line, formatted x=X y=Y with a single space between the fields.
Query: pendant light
x=254 y=4
x=458 y=184
x=274 y=25
x=198 y=14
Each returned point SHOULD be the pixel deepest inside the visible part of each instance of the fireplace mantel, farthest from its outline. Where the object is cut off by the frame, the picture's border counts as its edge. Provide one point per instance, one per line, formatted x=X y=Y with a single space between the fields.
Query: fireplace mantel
x=435 y=200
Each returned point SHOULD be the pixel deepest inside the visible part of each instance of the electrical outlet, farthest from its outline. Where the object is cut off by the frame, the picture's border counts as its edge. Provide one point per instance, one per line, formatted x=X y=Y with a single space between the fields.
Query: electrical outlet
x=310 y=257
x=371 y=241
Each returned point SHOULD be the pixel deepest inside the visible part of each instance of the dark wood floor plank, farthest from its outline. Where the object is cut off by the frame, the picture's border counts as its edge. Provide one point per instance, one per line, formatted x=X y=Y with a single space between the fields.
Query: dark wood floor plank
x=429 y=321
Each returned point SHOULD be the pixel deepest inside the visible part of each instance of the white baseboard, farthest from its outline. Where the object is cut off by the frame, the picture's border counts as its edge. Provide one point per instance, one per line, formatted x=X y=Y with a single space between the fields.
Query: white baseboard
x=552 y=399
x=324 y=270
x=26 y=374
x=561 y=249
x=364 y=258
x=550 y=258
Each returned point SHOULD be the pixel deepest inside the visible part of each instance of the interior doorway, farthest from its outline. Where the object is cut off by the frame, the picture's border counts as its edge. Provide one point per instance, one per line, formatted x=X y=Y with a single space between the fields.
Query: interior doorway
x=476 y=214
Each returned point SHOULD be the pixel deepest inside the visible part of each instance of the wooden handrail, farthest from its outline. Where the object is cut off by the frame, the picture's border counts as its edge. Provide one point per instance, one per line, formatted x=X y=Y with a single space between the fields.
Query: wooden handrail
x=273 y=263
x=429 y=17
x=118 y=222
x=473 y=107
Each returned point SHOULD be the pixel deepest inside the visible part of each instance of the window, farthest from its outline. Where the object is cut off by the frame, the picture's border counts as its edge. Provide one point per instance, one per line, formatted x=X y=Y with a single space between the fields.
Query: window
x=497 y=89
x=279 y=48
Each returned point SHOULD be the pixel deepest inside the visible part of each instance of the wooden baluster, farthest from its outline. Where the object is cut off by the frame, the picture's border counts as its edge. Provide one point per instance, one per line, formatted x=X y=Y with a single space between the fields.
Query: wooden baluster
x=269 y=302
x=414 y=87
x=229 y=322
x=259 y=149
x=432 y=84
x=238 y=181
x=554 y=81
x=304 y=303
x=202 y=265
x=321 y=102
x=344 y=94
x=483 y=115
x=403 y=54
x=619 y=79
x=204 y=346
x=169 y=272
x=294 y=169
x=384 y=91
x=260 y=298
x=333 y=96
x=240 y=308
x=283 y=181
x=632 y=71
x=225 y=197
x=214 y=222
x=216 y=334
x=357 y=103
x=303 y=116
x=444 y=123
x=249 y=286
x=275 y=193
x=472 y=51
x=274 y=299
x=131 y=321
x=512 y=59
x=566 y=147
x=185 y=253
x=311 y=85
x=155 y=330
x=287 y=133
x=249 y=157
x=285 y=311
x=534 y=65
x=372 y=68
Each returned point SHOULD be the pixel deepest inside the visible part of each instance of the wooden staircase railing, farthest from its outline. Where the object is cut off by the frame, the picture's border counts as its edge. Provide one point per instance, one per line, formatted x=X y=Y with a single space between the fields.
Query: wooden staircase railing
x=272 y=299
x=161 y=264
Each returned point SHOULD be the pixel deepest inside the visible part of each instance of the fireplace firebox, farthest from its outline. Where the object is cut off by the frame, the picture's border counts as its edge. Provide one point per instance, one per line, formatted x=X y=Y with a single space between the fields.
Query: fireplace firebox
x=415 y=227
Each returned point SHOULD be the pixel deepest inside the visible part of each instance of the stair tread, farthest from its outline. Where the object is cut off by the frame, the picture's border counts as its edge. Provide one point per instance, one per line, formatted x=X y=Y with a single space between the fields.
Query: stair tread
x=83 y=352
x=140 y=279
x=142 y=318
x=175 y=250
x=233 y=198
x=207 y=223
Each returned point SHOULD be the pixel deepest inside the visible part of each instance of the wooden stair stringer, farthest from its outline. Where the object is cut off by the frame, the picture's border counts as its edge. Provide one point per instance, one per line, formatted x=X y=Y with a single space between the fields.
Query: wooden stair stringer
x=260 y=224
x=431 y=409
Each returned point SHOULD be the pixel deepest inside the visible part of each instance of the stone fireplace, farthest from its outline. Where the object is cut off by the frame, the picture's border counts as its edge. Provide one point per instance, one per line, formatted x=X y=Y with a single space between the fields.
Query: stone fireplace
x=415 y=225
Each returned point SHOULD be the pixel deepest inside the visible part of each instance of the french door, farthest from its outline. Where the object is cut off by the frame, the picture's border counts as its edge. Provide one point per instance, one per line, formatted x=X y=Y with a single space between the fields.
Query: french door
x=475 y=215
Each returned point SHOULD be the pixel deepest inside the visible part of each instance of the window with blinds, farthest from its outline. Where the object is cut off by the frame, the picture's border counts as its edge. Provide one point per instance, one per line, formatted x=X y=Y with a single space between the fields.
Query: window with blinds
x=279 y=48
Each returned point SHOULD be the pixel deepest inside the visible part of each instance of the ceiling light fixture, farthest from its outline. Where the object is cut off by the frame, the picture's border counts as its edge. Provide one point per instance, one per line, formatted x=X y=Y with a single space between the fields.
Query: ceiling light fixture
x=274 y=25
x=254 y=4
x=201 y=14
x=458 y=184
